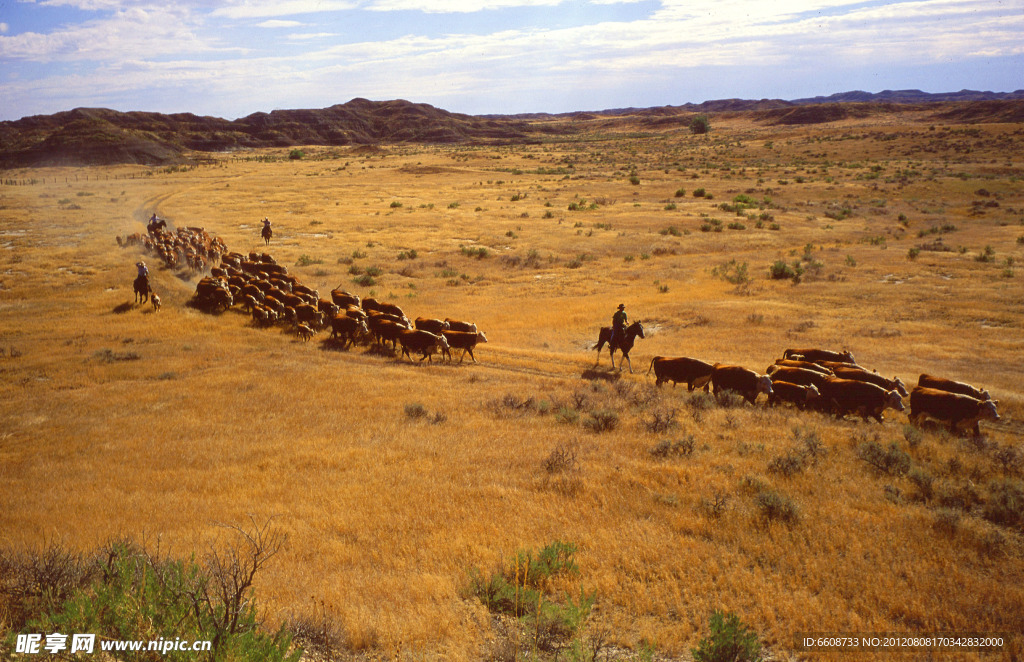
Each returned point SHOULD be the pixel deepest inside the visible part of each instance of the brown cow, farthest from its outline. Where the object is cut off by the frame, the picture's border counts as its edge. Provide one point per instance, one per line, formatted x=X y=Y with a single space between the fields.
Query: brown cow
x=801 y=396
x=809 y=354
x=742 y=380
x=456 y=325
x=696 y=373
x=930 y=381
x=955 y=410
x=347 y=328
x=424 y=342
x=806 y=365
x=463 y=340
x=860 y=374
x=435 y=326
x=850 y=396
x=800 y=376
x=343 y=298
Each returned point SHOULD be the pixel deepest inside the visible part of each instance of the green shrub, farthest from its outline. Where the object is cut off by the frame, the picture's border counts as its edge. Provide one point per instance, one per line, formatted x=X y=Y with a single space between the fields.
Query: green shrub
x=601 y=420
x=395 y=204
x=680 y=192
x=730 y=641
x=700 y=125
x=518 y=589
x=296 y=154
x=891 y=460
x=137 y=595
x=699 y=193
x=1005 y=502
x=777 y=507
x=780 y=270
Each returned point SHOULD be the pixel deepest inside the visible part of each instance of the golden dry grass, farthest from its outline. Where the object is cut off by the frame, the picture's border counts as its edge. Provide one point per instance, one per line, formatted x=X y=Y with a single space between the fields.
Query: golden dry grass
x=167 y=423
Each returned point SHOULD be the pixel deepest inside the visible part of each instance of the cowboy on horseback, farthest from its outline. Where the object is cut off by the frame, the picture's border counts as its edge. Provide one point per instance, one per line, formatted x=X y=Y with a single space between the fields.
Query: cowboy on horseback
x=267 y=233
x=143 y=269
x=619 y=321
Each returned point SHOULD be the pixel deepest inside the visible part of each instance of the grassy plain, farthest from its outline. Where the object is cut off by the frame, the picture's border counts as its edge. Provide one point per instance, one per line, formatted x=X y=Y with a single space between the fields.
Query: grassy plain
x=117 y=420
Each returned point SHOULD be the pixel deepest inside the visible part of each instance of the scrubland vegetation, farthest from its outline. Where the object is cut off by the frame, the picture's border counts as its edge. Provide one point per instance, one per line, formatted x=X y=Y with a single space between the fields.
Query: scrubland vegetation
x=532 y=505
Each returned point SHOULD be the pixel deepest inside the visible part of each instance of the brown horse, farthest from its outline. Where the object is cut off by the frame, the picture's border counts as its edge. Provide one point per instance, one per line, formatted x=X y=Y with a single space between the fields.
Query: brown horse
x=623 y=343
x=142 y=289
x=267 y=234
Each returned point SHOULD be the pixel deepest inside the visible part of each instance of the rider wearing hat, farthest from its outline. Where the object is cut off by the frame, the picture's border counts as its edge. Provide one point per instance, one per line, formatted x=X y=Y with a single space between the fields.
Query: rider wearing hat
x=143 y=269
x=618 y=323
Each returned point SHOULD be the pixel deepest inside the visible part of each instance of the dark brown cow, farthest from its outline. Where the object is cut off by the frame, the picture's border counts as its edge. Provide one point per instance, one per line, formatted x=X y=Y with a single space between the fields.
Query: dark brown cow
x=930 y=381
x=456 y=325
x=860 y=374
x=424 y=342
x=385 y=331
x=696 y=373
x=850 y=396
x=369 y=304
x=392 y=309
x=955 y=410
x=832 y=365
x=463 y=340
x=308 y=314
x=379 y=316
x=801 y=396
x=742 y=380
x=435 y=326
x=810 y=354
x=800 y=376
x=347 y=329
x=806 y=365
x=343 y=298
x=328 y=308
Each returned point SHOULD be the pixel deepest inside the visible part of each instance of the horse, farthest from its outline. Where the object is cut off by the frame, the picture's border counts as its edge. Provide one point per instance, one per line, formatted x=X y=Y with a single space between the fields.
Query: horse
x=154 y=226
x=623 y=343
x=142 y=289
x=267 y=234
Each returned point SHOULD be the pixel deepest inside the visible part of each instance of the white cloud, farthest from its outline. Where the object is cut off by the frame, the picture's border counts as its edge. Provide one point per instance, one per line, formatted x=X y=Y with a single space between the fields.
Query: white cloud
x=149 y=31
x=278 y=24
x=4 y=28
x=262 y=8
x=455 y=6
x=310 y=35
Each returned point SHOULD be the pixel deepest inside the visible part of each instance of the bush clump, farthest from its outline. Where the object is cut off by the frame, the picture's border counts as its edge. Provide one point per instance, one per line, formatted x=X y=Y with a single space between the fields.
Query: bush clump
x=518 y=589
x=730 y=641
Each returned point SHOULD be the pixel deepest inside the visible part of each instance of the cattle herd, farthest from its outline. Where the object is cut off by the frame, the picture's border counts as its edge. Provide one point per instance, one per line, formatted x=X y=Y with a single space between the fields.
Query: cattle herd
x=264 y=289
x=832 y=382
x=818 y=379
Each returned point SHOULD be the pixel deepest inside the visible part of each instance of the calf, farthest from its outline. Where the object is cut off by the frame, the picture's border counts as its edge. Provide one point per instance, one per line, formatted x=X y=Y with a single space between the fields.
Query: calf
x=742 y=380
x=696 y=373
x=850 y=396
x=304 y=330
x=801 y=396
x=955 y=410
x=155 y=298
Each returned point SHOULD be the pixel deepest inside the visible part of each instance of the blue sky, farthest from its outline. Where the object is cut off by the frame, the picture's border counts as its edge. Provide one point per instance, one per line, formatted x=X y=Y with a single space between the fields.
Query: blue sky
x=230 y=58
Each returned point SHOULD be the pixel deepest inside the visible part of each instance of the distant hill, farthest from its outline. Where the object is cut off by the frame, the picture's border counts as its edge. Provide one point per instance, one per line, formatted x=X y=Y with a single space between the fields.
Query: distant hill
x=99 y=136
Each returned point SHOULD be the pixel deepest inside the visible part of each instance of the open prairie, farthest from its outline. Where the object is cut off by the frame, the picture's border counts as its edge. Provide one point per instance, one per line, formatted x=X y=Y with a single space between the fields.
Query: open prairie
x=393 y=479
